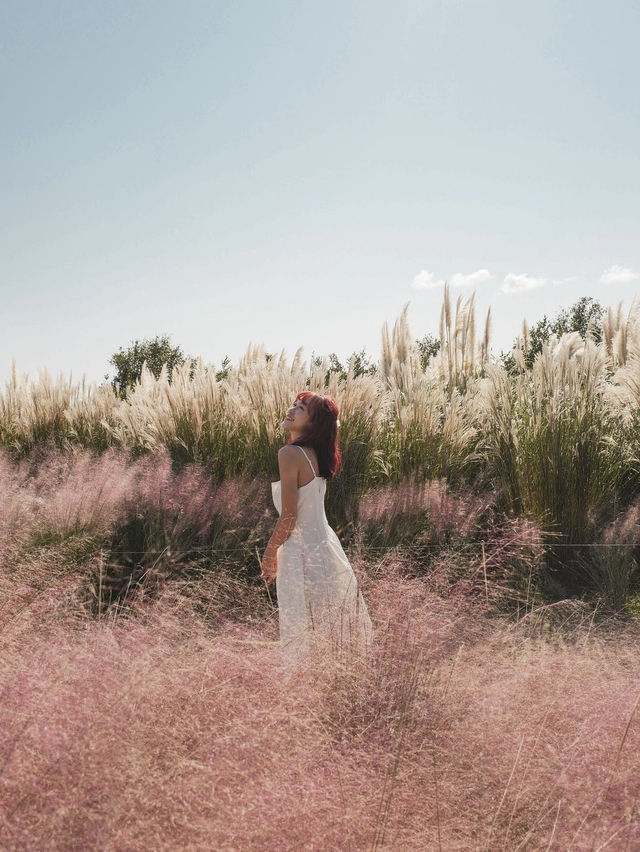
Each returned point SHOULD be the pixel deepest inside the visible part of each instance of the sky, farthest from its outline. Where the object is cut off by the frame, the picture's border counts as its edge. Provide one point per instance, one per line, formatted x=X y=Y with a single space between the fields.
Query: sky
x=292 y=173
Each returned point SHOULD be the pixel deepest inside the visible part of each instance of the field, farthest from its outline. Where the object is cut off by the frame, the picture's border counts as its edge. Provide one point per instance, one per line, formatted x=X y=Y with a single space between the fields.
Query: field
x=491 y=514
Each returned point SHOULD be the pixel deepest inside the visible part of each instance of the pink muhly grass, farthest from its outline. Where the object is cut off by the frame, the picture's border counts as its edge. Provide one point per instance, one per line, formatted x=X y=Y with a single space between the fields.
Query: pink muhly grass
x=180 y=729
x=79 y=491
x=501 y=567
x=72 y=522
x=186 y=509
x=66 y=493
x=189 y=501
x=625 y=528
x=611 y=566
x=180 y=527
x=509 y=565
x=426 y=512
x=404 y=603
x=168 y=731
x=16 y=507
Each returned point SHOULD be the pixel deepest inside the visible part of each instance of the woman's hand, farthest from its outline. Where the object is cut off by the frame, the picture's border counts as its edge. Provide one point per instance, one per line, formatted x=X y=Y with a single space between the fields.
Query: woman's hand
x=269 y=567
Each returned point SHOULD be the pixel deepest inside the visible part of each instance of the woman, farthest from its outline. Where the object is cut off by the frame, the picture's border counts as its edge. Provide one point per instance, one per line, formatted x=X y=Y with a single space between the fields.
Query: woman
x=318 y=597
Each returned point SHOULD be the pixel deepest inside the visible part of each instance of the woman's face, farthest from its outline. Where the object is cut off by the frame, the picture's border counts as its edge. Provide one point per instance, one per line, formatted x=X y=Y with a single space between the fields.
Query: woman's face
x=297 y=419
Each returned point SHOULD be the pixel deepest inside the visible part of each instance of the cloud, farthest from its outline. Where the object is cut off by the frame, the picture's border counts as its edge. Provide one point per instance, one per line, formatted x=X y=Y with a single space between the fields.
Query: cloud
x=618 y=275
x=425 y=280
x=521 y=283
x=477 y=277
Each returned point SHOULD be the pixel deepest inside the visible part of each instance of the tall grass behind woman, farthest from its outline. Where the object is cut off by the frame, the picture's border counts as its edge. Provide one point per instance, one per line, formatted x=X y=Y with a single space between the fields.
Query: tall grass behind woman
x=320 y=607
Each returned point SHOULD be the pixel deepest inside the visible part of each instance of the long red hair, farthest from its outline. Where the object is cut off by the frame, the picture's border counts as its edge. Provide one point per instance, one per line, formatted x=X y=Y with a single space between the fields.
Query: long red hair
x=322 y=433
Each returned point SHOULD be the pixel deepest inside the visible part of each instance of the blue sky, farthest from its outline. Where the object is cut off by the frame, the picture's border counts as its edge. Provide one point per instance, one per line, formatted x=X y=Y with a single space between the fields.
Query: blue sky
x=291 y=173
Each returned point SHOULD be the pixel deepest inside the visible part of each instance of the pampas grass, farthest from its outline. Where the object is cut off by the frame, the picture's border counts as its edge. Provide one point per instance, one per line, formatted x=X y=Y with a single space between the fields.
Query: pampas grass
x=555 y=444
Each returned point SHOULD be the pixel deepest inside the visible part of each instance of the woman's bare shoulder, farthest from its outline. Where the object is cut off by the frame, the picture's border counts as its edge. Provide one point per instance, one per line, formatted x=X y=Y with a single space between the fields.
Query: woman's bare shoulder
x=288 y=451
x=289 y=457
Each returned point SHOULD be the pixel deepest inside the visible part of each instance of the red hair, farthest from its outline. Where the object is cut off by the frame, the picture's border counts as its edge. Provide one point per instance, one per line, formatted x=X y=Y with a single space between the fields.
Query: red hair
x=322 y=432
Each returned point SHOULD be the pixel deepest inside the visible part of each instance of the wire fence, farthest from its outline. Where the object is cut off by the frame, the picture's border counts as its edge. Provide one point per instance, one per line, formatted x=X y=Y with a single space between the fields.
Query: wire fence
x=382 y=547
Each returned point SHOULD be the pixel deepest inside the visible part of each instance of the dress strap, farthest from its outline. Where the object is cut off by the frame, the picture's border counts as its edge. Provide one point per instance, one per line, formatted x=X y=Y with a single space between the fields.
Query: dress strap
x=307 y=458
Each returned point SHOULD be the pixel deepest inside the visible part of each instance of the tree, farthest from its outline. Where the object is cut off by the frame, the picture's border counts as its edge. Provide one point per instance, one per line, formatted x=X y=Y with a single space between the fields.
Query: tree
x=223 y=372
x=361 y=365
x=428 y=346
x=585 y=314
x=156 y=352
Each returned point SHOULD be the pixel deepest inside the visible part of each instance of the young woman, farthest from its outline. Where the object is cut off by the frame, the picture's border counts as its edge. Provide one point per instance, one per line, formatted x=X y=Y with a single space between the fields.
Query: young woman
x=318 y=597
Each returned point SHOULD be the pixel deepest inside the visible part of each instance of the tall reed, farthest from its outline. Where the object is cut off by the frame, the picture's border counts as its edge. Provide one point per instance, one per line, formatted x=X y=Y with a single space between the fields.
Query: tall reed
x=61 y=412
x=429 y=433
x=550 y=435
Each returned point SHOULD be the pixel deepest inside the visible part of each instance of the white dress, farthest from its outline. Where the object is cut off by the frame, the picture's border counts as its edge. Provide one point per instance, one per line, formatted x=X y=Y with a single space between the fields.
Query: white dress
x=318 y=597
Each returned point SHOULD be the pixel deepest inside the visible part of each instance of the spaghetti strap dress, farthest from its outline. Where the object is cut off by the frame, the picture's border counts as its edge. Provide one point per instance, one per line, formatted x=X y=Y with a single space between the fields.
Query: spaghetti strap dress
x=319 y=602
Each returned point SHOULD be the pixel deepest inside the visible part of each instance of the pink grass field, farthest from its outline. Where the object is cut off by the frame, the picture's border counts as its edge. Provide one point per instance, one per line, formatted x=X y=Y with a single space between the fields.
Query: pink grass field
x=175 y=727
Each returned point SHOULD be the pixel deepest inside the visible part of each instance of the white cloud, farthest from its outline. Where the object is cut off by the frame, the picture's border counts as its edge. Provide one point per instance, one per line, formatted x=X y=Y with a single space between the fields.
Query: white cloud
x=618 y=275
x=425 y=280
x=473 y=278
x=521 y=283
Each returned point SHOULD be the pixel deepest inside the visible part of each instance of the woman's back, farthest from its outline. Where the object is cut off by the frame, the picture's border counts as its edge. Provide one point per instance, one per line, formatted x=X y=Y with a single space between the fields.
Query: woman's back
x=310 y=517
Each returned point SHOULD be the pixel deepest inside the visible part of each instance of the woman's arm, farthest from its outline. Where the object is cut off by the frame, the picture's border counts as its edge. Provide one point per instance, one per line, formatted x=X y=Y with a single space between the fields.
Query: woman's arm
x=288 y=462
